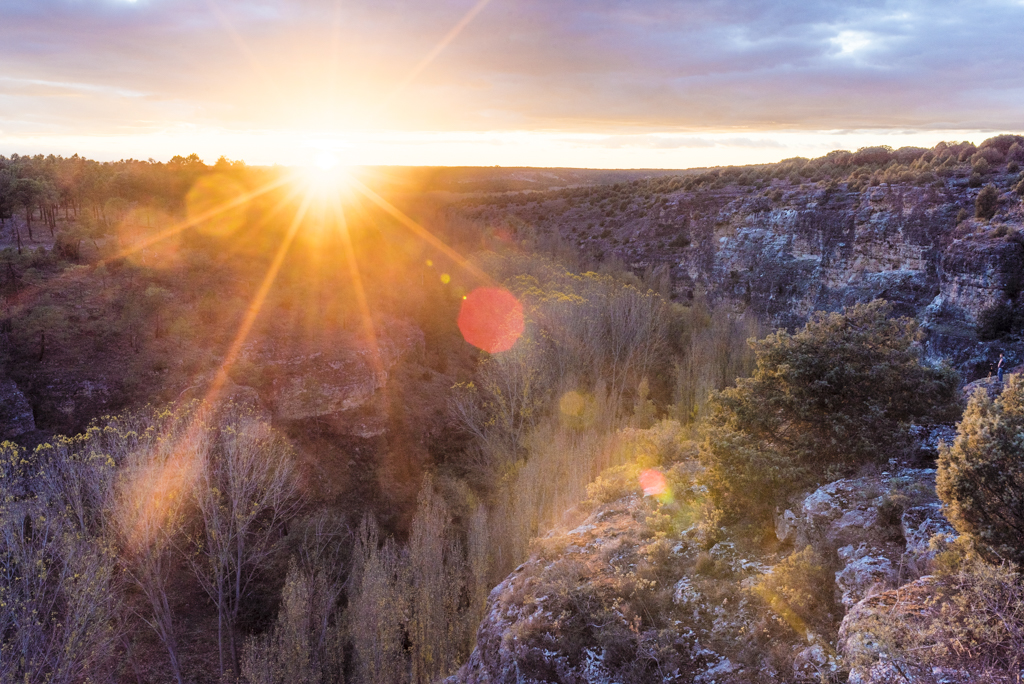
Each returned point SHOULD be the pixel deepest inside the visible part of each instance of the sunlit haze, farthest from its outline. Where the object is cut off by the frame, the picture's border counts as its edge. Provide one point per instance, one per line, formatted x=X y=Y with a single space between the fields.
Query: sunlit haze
x=610 y=84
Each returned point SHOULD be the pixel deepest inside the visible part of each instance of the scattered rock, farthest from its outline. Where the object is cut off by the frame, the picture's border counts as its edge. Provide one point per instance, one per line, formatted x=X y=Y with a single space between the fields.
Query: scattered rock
x=920 y=525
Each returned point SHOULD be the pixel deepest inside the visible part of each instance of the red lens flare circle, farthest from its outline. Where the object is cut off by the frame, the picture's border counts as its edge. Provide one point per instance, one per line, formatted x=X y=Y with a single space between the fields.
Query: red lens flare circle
x=491 y=319
x=653 y=483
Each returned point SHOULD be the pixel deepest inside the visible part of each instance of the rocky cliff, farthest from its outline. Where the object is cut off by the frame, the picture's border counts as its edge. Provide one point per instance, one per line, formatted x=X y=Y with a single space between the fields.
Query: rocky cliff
x=620 y=599
x=785 y=246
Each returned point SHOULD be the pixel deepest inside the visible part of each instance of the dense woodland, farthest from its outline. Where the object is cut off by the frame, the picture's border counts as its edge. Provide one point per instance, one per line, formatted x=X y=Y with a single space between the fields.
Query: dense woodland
x=182 y=532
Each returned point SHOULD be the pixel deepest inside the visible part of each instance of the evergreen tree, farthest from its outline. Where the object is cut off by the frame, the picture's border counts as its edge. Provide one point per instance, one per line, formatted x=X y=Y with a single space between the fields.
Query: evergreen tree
x=839 y=393
x=981 y=476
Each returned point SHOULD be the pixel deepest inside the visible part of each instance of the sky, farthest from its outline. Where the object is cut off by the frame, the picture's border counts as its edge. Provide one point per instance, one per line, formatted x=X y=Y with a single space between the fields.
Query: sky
x=583 y=83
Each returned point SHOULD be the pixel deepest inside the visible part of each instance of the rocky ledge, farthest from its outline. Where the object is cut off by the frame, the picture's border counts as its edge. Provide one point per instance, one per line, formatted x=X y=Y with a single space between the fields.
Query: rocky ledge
x=623 y=598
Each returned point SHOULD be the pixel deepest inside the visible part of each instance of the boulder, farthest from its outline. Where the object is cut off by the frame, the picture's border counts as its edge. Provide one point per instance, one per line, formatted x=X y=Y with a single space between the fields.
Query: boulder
x=867 y=629
x=16 y=416
x=341 y=386
x=866 y=570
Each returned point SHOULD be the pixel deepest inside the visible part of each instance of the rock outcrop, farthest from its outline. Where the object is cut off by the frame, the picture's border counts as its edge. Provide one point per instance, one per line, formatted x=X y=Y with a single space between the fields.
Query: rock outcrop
x=784 y=251
x=340 y=385
x=879 y=527
x=615 y=593
x=15 y=412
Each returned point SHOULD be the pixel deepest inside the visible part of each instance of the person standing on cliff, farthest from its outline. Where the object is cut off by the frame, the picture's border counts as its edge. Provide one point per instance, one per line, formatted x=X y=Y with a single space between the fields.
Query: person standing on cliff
x=999 y=369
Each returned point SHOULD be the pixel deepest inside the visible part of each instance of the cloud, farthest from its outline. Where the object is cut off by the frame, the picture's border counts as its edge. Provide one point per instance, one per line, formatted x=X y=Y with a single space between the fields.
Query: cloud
x=616 y=67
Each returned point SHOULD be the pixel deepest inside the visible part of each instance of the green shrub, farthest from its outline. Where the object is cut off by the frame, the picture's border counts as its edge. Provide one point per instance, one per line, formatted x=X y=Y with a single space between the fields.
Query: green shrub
x=800 y=591
x=821 y=402
x=986 y=203
x=981 y=476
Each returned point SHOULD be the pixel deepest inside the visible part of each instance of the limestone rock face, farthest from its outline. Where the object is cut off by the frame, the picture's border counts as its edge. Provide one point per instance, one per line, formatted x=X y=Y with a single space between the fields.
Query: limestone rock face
x=786 y=252
x=15 y=412
x=977 y=274
x=341 y=385
x=847 y=515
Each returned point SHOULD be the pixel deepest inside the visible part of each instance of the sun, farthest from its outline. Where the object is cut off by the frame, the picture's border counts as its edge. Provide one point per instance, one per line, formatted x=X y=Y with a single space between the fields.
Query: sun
x=325 y=176
x=326 y=161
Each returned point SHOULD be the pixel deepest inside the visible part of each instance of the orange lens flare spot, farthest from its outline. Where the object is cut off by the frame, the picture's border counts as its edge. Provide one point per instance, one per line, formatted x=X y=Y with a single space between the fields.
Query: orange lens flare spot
x=491 y=319
x=653 y=482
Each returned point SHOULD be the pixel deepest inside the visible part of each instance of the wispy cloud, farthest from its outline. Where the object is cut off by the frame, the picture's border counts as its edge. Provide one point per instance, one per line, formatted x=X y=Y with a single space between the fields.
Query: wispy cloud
x=608 y=67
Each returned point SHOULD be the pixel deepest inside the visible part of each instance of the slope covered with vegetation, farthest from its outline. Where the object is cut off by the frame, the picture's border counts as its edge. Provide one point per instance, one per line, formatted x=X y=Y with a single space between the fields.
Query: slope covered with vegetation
x=333 y=479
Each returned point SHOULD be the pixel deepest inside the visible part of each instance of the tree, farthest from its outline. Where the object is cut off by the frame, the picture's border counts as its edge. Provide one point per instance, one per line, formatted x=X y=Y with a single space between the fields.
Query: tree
x=981 y=475
x=7 y=196
x=245 y=491
x=27 y=192
x=58 y=600
x=839 y=393
x=305 y=645
x=147 y=519
x=986 y=203
x=378 y=608
x=436 y=574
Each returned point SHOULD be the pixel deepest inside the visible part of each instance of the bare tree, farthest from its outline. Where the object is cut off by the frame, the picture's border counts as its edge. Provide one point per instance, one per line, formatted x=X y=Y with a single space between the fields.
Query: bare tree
x=245 y=491
x=479 y=562
x=58 y=601
x=378 y=608
x=148 y=515
x=436 y=574
x=306 y=643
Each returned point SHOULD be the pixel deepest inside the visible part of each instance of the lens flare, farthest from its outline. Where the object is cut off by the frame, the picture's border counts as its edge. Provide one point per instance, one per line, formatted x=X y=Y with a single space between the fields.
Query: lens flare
x=491 y=319
x=653 y=482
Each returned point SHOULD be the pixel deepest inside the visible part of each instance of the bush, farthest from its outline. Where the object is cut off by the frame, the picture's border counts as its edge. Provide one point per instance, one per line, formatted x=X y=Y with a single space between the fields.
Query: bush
x=800 y=590
x=996 y=321
x=971 y=626
x=837 y=394
x=986 y=203
x=981 y=476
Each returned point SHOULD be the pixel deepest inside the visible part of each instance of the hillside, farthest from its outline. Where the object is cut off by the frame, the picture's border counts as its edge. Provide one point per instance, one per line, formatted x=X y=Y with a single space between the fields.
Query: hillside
x=787 y=239
x=644 y=492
